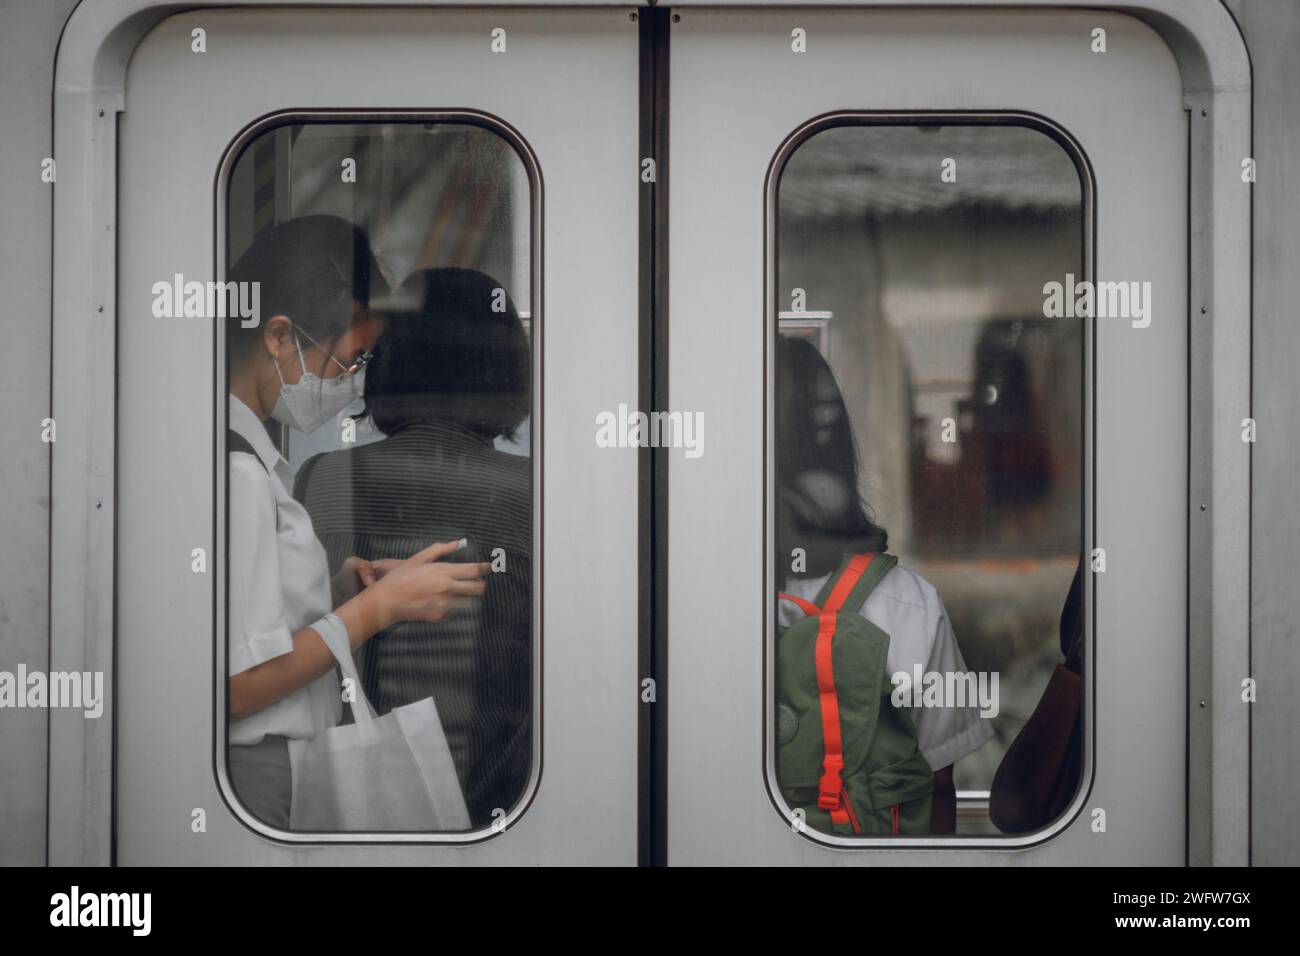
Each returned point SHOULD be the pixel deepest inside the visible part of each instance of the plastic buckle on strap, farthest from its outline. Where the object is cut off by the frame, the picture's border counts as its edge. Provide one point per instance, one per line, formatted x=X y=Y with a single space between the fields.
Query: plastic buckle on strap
x=831 y=787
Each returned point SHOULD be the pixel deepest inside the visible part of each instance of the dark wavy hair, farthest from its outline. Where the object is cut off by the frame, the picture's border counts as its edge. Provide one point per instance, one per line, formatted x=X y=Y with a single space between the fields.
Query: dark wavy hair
x=819 y=507
x=462 y=356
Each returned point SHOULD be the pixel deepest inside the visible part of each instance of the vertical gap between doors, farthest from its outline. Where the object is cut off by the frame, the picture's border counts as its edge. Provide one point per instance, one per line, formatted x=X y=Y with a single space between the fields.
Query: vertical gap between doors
x=652 y=464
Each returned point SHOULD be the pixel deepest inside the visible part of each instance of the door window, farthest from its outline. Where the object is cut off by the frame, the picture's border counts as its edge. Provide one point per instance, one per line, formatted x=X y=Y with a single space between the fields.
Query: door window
x=926 y=403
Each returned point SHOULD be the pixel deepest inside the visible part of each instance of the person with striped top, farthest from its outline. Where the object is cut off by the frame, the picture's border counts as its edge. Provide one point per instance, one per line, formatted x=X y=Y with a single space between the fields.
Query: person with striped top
x=446 y=380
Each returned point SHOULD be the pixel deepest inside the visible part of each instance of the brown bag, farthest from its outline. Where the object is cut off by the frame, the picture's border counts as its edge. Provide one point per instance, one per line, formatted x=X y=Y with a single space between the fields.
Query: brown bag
x=1039 y=775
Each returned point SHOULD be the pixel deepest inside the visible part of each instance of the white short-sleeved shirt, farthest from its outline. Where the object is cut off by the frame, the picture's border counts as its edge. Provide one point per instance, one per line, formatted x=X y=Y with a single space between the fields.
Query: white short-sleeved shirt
x=279 y=583
x=908 y=608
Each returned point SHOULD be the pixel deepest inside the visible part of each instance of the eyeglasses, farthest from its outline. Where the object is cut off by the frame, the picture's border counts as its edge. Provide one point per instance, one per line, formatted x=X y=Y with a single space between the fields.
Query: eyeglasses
x=357 y=365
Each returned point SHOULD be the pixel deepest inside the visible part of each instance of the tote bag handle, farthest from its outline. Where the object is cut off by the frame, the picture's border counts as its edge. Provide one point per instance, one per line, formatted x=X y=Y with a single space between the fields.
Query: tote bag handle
x=335 y=636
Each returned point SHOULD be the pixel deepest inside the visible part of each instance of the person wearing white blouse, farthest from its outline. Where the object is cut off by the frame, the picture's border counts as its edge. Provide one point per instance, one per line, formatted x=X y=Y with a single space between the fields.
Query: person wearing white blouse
x=822 y=515
x=301 y=367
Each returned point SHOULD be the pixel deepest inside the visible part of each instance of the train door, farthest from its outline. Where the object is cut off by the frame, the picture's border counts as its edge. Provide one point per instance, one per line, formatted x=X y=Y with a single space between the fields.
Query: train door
x=967 y=231
x=459 y=140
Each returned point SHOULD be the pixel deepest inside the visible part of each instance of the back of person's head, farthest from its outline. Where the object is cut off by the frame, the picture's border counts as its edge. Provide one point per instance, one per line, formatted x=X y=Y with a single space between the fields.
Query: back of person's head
x=819 y=507
x=460 y=355
x=310 y=269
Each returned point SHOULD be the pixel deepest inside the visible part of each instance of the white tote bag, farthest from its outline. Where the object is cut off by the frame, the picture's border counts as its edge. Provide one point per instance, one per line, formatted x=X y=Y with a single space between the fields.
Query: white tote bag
x=393 y=772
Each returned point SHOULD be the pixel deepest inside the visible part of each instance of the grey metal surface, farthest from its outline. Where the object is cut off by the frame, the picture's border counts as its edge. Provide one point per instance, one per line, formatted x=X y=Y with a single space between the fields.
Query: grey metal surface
x=1272 y=32
x=882 y=60
x=29 y=33
x=90 y=78
x=1216 y=78
x=1213 y=63
x=584 y=810
x=1218 y=507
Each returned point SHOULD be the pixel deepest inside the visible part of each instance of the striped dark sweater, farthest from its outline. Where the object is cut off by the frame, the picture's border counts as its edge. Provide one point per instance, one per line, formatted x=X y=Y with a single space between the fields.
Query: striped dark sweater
x=427 y=482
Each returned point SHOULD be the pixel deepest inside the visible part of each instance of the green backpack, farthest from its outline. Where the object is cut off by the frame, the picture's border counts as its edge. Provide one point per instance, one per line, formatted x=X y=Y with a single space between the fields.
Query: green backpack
x=846 y=756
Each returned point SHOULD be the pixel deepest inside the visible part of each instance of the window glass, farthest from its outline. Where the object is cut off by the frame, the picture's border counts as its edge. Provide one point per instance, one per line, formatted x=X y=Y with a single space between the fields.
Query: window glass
x=381 y=403
x=925 y=404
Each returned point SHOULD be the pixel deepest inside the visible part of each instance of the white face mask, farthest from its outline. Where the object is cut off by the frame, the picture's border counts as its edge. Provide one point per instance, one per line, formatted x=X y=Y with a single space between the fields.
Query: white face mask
x=311 y=401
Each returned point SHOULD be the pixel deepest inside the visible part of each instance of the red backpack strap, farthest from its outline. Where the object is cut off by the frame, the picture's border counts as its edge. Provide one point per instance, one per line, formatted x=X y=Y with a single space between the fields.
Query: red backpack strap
x=808 y=607
x=831 y=788
x=854 y=570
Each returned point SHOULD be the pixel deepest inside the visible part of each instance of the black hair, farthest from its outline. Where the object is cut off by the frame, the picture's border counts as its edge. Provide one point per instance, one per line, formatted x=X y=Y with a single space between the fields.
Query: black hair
x=462 y=356
x=1072 y=611
x=819 y=507
x=310 y=269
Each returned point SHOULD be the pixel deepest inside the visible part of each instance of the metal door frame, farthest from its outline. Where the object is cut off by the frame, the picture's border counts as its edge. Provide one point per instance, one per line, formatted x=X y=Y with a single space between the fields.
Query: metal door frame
x=89 y=91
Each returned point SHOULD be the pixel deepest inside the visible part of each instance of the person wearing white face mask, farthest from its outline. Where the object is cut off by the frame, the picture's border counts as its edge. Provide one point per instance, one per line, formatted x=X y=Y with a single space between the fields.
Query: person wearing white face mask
x=312 y=401
x=301 y=367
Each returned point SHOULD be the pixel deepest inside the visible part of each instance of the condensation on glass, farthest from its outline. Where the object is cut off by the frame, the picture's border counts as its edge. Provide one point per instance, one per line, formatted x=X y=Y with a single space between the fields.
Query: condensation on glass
x=911 y=255
x=437 y=444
